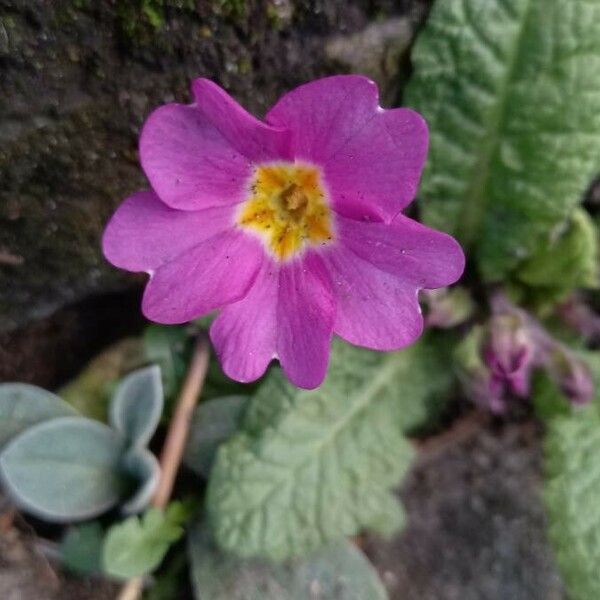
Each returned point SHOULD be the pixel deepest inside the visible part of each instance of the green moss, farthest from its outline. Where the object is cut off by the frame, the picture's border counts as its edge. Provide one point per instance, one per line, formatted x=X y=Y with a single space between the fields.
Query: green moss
x=236 y=9
x=138 y=20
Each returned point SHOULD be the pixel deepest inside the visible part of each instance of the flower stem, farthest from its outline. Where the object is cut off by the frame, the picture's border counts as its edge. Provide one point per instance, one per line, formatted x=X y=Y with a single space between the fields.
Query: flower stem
x=174 y=445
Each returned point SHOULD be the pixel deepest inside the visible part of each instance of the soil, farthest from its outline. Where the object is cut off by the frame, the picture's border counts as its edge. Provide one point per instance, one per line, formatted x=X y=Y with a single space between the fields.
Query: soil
x=476 y=527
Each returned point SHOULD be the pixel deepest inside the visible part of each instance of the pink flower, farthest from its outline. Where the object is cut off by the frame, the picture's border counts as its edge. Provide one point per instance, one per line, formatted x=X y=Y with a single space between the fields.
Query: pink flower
x=291 y=227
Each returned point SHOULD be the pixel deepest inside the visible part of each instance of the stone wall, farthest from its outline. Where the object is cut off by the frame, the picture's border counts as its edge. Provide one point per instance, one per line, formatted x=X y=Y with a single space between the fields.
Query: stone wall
x=78 y=77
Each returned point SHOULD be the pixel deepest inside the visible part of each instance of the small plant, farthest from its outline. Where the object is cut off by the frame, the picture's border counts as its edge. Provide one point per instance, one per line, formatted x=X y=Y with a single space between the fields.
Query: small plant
x=63 y=467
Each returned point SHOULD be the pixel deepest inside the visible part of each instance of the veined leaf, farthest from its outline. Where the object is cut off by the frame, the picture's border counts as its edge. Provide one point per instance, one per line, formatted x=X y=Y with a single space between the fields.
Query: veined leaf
x=572 y=466
x=572 y=451
x=314 y=466
x=23 y=405
x=338 y=572
x=511 y=92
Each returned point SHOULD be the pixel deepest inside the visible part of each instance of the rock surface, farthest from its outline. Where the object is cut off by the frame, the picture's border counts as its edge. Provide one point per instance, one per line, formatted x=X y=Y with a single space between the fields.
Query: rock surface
x=77 y=79
x=475 y=521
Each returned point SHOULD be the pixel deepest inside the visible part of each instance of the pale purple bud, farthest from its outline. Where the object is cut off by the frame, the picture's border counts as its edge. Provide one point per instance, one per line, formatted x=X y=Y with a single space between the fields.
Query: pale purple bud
x=578 y=315
x=510 y=350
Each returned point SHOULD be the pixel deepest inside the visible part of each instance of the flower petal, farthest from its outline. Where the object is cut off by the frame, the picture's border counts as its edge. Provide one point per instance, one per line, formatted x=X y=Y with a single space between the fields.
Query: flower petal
x=372 y=158
x=215 y=273
x=245 y=333
x=379 y=169
x=249 y=136
x=305 y=313
x=375 y=309
x=324 y=114
x=420 y=256
x=145 y=233
x=288 y=314
x=189 y=162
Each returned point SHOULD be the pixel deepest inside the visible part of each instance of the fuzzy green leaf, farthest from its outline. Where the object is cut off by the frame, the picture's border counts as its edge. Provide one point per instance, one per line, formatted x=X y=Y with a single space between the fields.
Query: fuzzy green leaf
x=137 y=405
x=137 y=545
x=338 y=572
x=572 y=468
x=314 y=466
x=23 y=405
x=572 y=451
x=143 y=468
x=511 y=92
x=65 y=469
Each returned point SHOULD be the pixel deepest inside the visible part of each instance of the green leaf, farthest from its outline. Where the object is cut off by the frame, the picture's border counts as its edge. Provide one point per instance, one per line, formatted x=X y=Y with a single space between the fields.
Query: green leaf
x=572 y=469
x=214 y=422
x=65 y=469
x=169 y=347
x=572 y=452
x=338 y=572
x=137 y=406
x=569 y=262
x=548 y=399
x=90 y=392
x=23 y=405
x=313 y=466
x=511 y=92
x=137 y=545
x=143 y=467
x=81 y=548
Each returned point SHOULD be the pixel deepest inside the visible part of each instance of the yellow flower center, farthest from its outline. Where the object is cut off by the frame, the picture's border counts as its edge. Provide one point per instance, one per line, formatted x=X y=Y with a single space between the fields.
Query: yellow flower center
x=287 y=208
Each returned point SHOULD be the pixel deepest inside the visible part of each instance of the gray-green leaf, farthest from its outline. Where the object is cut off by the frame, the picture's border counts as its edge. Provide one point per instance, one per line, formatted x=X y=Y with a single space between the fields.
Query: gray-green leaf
x=338 y=572
x=137 y=405
x=214 y=421
x=511 y=92
x=65 y=469
x=314 y=466
x=143 y=468
x=137 y=545
x=23 y=405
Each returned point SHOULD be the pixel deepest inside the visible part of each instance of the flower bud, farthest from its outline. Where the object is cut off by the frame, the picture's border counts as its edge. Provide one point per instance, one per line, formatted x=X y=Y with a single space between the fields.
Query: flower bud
x=447 y=307
x=510 y=350
x=480 y=384
x=572 y=375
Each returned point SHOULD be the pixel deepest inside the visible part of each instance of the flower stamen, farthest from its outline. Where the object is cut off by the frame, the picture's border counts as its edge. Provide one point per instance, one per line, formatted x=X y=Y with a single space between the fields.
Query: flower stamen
x=287 y=208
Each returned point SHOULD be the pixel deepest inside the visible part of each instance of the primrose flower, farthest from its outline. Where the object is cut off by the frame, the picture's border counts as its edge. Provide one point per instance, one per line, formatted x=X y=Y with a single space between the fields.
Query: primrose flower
x=292 y=227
